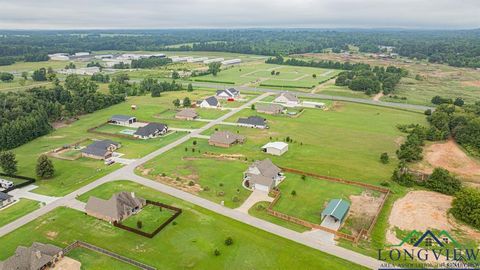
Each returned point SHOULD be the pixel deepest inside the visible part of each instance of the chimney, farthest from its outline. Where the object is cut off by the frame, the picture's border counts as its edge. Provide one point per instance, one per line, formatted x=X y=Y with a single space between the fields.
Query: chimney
x=38 y=254
x=133 y=194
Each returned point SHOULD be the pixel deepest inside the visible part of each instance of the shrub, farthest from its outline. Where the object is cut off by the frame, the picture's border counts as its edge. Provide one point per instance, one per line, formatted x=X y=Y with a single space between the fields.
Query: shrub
x=294 y=193
x=216 y=252
x=466 y=206
x=191 y=183
x=304 y=177
x=229 y=241
x=235 y=199
x=403 y=177
x=206 y=188
x=384 y=158
x=139 y=224
x=194 y=142
x=442 y=181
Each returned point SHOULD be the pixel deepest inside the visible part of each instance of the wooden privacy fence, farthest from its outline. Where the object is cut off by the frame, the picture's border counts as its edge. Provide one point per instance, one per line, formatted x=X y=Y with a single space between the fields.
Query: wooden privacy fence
x=94 y=130
x=177 y=212
x=28 y=181
x=356 y=238
x=78 y=244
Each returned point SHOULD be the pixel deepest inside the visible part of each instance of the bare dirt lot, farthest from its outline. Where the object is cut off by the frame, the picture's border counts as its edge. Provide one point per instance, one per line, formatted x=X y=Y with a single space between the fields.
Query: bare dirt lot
x=472 y=83
x=422 y=210
x=450 y=156
x=363 y=210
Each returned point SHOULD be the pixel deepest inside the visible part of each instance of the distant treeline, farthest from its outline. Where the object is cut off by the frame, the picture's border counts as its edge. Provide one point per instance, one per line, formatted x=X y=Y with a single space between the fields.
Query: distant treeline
x=358 y=77
x=27 y=115
x=457 y=48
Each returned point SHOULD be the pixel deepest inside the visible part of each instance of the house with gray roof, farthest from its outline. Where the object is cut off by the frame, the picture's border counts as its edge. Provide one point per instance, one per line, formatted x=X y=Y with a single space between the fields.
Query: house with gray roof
x=102 y=149
x=253 y=122
x=187 y=114
x=225 y=139
x=228 y=93
x=263 y=175
x=5 y=199
x=287 y=98
x=268 y=108
x=151 y=130
x=336 y=209
x=122 y=120
x=210 y=103
x=119 y=207
x=36 y=257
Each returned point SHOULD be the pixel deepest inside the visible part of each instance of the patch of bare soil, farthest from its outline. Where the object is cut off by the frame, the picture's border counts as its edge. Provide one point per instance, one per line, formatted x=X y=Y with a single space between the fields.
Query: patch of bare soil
x=337 y=106
x=450 y=156
x=378 y=96
x=363 y=209
x=52 y=235
x=144 y=171
x=55 y=137
x=67 y=263
x=471 y=83
x=181 y=183
x=228 y=157
x=399 y=140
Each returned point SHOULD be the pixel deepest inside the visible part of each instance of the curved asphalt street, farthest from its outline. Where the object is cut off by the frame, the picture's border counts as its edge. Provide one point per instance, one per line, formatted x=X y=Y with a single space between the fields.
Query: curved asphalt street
x=128 y=173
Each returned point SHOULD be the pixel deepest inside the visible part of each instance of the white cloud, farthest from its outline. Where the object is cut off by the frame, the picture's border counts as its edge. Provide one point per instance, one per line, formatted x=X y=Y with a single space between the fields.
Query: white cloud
x=239 y=13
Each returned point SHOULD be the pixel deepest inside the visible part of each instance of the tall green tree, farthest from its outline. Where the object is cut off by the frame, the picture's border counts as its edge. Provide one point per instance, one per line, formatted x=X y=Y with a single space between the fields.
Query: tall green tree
x=8 y=162
x=44 y=168
x=214 y=68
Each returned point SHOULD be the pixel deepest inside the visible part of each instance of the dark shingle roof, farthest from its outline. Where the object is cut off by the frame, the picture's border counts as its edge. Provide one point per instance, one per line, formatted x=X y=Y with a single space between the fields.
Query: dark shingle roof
x=252 y=120
x=116 y=207
x=150 y=129
x=4 y=196
x=34 y=257
x=121 y=118
x=99 y=148
x=212 y=101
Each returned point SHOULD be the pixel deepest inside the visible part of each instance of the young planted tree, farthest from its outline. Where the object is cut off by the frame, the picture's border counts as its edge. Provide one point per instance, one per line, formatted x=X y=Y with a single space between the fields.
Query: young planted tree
x=190 y=87
x=175 y=75
x=384 y=158
x=186 y=102
x=139 y=224
x=176 y=103
x=8 y=162
x=44 y=167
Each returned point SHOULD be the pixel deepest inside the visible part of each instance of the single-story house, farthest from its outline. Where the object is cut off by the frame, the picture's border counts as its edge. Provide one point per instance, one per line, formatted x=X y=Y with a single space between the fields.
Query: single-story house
x=123 y=120
x=225 y=139
x=100 y=149
x=5 y=199
x=229 y=93
x=269 y=108
x=187 y=114
x=275 y=148
x=36 y=257
x=263 y=175
x=151 y=130
x=210 y=102
x=288 y=99
x=119 y=207
x=253 y=122
x=337 y=210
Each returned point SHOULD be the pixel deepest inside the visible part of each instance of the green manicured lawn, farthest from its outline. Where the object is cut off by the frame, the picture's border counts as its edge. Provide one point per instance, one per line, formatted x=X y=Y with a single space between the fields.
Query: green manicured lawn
x=188 y=244
x=92 y=260
x=70 y=175
x=259 y=211
x=219 y=180
x=312 y=195
x=151 y=218
x=17 y=210
x=260 y=74
x=345 y=141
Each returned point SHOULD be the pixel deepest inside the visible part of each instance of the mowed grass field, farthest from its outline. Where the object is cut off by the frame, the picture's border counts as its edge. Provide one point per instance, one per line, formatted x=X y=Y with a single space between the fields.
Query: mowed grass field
x=344 y=141
x=71 y=175
x=18 y=209
x=289 y=77
x=187 y=245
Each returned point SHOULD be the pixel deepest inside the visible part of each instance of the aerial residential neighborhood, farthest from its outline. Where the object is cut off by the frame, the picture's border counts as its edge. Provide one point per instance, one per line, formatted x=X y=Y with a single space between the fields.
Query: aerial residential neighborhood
x=239 y=135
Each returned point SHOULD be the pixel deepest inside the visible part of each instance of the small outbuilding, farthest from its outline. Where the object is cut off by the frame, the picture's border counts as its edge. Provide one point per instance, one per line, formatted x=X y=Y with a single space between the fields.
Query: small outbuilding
x=269 y=108
x=123 y=120
x=187 y=114
x=275 y=148
x=336 y=210
x=253 y=122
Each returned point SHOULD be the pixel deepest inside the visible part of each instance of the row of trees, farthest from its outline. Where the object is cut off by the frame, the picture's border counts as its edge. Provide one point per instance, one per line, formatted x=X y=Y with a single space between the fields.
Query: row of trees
x=121 y=85
x=44 y=168
x=27 y=115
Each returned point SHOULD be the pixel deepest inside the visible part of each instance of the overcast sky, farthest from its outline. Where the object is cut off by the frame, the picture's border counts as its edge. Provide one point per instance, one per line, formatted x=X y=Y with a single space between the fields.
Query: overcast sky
x=68 y=14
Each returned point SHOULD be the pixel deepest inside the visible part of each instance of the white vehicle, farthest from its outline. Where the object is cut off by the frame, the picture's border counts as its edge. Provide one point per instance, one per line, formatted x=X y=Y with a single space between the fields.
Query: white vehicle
x=109 y=162
x=5 y=183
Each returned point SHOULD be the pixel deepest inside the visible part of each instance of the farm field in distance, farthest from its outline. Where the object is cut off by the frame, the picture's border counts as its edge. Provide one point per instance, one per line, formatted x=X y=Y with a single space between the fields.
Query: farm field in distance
x=188 y=244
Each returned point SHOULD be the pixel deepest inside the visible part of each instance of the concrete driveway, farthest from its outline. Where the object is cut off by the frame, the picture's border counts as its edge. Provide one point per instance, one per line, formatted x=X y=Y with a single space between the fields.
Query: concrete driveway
x=255 y=197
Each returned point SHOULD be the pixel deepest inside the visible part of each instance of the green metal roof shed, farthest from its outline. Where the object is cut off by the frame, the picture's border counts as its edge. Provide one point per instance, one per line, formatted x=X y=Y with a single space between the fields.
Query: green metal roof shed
x=337 y=209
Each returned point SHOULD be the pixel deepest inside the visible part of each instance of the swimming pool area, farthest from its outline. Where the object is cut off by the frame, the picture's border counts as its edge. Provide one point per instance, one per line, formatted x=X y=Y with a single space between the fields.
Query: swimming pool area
x=128 y=131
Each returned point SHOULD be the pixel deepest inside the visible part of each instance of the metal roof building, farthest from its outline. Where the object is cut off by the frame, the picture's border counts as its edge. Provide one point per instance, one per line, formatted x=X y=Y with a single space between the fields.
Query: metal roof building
x=337 y=209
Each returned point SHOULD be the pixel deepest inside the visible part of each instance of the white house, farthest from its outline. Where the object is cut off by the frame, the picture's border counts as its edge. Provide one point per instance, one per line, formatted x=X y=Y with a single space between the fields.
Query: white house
x=229 y=93
x=232 y=62
x=288 y=99
x=210 y=103
x=275 y=148
x=213 y=60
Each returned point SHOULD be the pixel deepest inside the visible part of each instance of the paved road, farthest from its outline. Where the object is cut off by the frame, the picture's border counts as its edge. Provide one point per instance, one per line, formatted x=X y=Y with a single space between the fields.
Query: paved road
x=127 y=173
x=327 y=97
